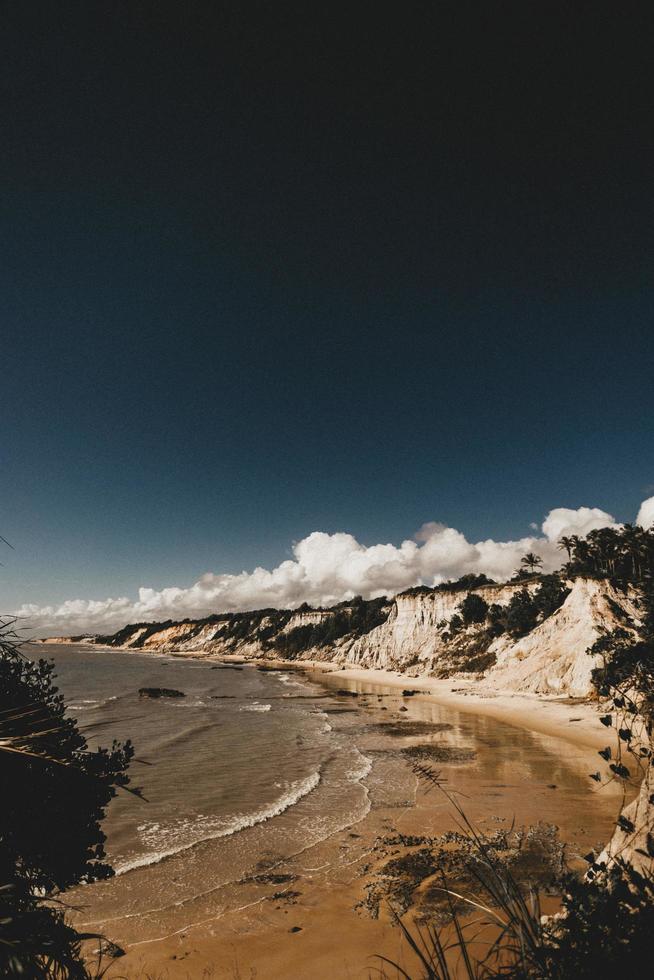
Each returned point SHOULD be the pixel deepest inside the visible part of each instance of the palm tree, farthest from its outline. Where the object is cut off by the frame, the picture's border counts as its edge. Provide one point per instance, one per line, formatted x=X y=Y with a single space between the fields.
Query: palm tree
x=566 y=544
x=633 y=546
x=531 y=561
x=605 y=543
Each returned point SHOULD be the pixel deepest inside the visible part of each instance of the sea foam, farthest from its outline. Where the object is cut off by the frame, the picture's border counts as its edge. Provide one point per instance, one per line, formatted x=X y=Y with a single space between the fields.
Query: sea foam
x=171 y=839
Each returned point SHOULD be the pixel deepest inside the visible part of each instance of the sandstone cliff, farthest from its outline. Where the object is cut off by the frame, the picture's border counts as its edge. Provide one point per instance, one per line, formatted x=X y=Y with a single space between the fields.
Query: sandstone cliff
x=552 y=658
x=416 y=632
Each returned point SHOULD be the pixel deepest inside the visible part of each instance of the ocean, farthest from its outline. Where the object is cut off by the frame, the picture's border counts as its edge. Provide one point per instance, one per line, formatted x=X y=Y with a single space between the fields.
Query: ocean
x=243 y=746
x=260 y=785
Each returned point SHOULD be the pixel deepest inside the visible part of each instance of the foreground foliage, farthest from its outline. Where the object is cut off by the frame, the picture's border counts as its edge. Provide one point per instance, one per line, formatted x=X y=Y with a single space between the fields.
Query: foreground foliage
x=605 y=925
x=606 y=922
x=55 y=792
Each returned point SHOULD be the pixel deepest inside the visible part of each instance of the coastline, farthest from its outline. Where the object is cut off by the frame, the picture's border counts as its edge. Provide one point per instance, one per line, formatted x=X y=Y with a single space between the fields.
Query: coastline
x=571 y=719
x=290 y=932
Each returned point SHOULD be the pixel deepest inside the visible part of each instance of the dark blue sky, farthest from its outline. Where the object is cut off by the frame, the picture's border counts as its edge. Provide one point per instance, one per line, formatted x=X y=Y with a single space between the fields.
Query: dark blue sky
x=269 y=272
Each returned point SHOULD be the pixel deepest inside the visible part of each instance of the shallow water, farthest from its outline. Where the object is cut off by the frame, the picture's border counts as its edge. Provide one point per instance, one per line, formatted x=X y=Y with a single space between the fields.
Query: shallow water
x=258 y=772
x=241 y=747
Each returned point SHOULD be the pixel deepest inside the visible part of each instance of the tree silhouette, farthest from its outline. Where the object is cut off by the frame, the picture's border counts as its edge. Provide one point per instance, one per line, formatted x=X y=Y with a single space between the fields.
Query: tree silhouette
x=55 y=792
x=531 y=562
x=566 y=544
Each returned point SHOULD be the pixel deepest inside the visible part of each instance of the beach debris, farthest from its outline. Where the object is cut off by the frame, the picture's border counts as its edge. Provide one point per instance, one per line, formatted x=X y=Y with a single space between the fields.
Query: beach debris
x=407 y=840
x=160 y=692
x=112 y=949
x=409 y=727
x=347 y=694
x=415 y=879
x=431 y=752
x=269 y=878
x=288 y=896
x=409 y=692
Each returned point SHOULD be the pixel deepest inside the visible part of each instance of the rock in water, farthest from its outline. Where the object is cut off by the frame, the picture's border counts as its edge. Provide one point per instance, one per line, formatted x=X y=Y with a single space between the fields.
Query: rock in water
x=160 y=692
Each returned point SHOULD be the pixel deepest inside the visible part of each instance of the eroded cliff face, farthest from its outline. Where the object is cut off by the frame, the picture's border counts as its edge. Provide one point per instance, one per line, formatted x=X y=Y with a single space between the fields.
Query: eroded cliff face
x=214 y=638
x=310 y=617
x=553 y=658
x=90 y=638
x=414 y=635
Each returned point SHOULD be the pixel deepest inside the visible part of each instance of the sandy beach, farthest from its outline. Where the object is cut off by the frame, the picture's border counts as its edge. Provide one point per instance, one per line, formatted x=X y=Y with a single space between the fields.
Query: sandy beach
x=316 y=924
x=574 y=720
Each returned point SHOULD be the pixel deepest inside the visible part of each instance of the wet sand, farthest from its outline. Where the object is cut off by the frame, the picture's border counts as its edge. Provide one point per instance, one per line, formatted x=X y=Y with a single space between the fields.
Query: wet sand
x=506 y=759
x=572 y=719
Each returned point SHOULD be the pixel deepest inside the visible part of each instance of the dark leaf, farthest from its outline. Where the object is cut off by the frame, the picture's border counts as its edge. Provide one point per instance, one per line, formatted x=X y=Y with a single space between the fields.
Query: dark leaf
x=625 y=824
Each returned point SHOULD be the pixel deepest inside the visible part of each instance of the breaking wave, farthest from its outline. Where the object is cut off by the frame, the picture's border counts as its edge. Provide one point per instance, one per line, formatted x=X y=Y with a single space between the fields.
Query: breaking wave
x=89 y=704
x=170 y=839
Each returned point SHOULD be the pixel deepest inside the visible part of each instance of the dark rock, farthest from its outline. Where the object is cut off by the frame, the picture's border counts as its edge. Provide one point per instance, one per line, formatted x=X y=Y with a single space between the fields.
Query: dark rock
x=347 y=694
x=270 y=878
x=288 y=896
x=408 y=727
x=160 y=692
x=295 y=929
x=409 y=693
x=403 y=708
x=113 y=949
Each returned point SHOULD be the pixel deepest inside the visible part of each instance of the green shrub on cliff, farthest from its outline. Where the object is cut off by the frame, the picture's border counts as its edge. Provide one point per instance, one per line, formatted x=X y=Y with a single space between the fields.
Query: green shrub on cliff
x=473 y=609
x=356 y=617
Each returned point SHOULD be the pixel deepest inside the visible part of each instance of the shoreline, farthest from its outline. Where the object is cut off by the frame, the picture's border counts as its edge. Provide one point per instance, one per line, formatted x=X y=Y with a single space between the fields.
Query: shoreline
x=574 y=720
x=289 y=931
x=571 y=719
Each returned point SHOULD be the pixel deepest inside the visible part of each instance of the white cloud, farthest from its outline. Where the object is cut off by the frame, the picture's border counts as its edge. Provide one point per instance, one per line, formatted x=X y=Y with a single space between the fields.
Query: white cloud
x=646 y=513
x=564 y=521
x=327 y=568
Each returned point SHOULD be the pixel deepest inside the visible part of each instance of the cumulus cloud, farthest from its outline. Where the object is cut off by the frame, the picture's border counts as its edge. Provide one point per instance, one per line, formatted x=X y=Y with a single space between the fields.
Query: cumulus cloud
x=327 y=568
x=646 y=513
x=562 y=521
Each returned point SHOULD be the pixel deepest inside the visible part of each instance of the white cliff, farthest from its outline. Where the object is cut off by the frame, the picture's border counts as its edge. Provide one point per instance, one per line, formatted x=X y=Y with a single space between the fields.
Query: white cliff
x=553 y=658
x=413 y=634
